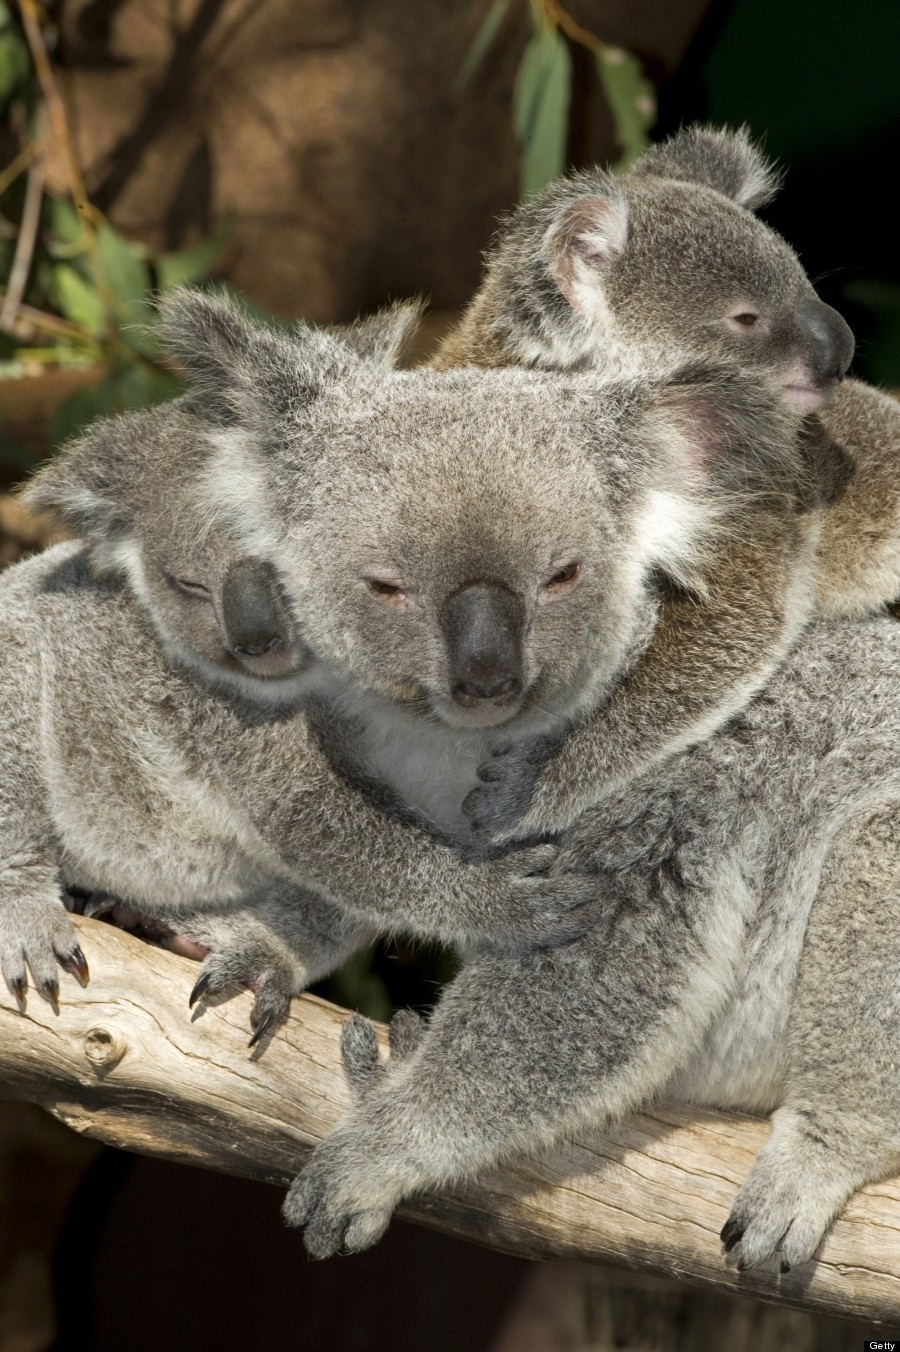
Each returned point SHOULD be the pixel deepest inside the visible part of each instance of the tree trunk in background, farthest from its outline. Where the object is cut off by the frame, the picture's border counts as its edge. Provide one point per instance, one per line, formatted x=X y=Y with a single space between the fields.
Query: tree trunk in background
x=323 y=135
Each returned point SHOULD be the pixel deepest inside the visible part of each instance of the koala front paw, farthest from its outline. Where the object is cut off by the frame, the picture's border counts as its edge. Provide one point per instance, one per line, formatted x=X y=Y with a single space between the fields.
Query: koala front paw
x=506 y=788
x=36 y=934
x=269 y=976
x=543 y=904
x=792 y=1194
x=341 y=1203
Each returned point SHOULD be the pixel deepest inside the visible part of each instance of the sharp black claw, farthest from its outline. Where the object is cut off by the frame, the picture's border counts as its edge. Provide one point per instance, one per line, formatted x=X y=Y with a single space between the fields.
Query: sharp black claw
x=785 y=1266
x=76 y=964
x=50 y=991
x=731 y=1234
x=19 y=987
x=262 y=1027
x=201 y=986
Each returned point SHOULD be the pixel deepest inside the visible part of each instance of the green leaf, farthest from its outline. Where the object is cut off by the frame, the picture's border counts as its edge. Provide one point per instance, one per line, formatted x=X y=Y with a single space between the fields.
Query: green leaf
x=189 y=265
x=480 y=44
x=125 y=276
x=14 y=64
x=66 y=228
x=632 y=102
x=125 y=387
x=541 y=108
x=78 y=299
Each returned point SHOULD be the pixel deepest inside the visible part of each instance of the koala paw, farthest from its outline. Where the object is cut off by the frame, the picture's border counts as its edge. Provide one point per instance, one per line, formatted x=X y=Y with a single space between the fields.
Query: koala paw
x=35 y=933
x=341 y=1203
x=363 y=1067
x=270 y=977
x=506 y=787
x=543 y=904
x=792 y=1194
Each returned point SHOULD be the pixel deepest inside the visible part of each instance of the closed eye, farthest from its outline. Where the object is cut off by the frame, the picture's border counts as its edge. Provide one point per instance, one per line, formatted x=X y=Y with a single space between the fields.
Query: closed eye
x=188 y=587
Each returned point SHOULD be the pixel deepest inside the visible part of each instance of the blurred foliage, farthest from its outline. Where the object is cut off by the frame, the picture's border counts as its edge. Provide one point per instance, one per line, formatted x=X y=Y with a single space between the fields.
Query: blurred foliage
x=543 y=90
x=77 y=292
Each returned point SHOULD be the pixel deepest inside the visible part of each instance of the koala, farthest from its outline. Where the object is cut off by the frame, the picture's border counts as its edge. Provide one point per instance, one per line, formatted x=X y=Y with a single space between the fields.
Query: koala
x=746 y=958
x=624 y=274
x=443 y=582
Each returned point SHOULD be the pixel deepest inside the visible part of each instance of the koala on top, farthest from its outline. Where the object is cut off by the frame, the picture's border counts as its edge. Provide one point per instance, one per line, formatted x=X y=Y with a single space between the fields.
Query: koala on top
x=460 y=557
x=746 y=958
x=625 y=274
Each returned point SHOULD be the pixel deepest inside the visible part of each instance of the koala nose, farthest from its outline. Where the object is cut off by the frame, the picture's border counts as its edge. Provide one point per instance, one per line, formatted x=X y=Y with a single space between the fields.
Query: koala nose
x=483 y=626
x=829 y=339
x=251 y=613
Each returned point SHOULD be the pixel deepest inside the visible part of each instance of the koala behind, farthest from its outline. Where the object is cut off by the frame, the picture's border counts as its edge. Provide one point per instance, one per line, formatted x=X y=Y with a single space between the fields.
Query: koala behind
x=620 y=275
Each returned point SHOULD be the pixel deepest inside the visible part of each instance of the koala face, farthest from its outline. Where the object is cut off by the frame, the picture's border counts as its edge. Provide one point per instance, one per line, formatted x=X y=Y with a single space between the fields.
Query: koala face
x=701 y=276
x=668 y=263
x=459 y=554
x=128 y=487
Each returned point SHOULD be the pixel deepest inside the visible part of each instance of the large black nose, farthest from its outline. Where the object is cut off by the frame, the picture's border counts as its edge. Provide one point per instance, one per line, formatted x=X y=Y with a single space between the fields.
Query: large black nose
x=252 y=609
x=483 y=626
x=829 y=339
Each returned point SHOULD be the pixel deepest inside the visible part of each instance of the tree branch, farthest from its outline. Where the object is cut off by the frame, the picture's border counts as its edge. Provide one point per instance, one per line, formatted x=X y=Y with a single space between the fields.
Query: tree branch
x=125 y=1062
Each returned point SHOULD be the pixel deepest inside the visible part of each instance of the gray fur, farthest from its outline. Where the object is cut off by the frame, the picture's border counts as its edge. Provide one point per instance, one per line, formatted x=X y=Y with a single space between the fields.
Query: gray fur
x=746 y=958
x=624 y=274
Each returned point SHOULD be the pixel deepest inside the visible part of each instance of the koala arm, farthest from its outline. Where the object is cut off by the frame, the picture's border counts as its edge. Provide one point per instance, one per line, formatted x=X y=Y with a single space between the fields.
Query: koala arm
x=520 y=1050
x=708 y=656
x=389 y=874
x=35 y=932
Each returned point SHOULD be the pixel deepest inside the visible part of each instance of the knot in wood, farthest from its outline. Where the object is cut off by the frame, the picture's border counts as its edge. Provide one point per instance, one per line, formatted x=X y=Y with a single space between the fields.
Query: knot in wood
x=104 y=1048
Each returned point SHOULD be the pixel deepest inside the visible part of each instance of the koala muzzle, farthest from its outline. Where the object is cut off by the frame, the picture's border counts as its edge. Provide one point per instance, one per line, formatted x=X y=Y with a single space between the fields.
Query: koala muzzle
x=483 y=626
x=251 y=609
x=829 y=340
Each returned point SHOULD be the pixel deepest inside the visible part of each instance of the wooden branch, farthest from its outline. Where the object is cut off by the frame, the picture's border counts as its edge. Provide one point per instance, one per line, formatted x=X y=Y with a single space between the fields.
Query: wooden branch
x=125 y=1061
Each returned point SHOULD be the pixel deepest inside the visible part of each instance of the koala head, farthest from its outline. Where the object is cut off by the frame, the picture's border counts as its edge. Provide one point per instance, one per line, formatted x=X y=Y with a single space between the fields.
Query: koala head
x=130 y=488
x=127 y=487
x=667 y=262
x=479 y=546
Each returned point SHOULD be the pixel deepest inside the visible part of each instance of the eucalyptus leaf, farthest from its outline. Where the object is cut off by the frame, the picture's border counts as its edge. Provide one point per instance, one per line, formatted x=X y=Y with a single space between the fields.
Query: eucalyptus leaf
x=632 y=102
x=480 y=44
x=189 y=265
x=541 y=108
x=66 y=227
x=14 y=65
x=78 y=299
x=125 y=277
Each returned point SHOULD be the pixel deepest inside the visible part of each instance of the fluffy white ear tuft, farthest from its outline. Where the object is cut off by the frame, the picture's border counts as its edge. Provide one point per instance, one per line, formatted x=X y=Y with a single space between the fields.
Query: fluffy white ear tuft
x=582 y=243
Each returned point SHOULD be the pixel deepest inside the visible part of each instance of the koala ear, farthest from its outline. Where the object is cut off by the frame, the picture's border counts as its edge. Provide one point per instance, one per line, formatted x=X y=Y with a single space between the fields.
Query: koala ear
x=80 y=489
x=381 y=338
x=585 y=239
x=724 y=160
x=241 y=371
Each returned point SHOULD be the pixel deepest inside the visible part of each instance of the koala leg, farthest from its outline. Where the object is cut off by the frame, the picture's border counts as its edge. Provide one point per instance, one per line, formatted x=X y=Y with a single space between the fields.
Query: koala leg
x=839 y=1124
x=278 y=947
x=520 y=1050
